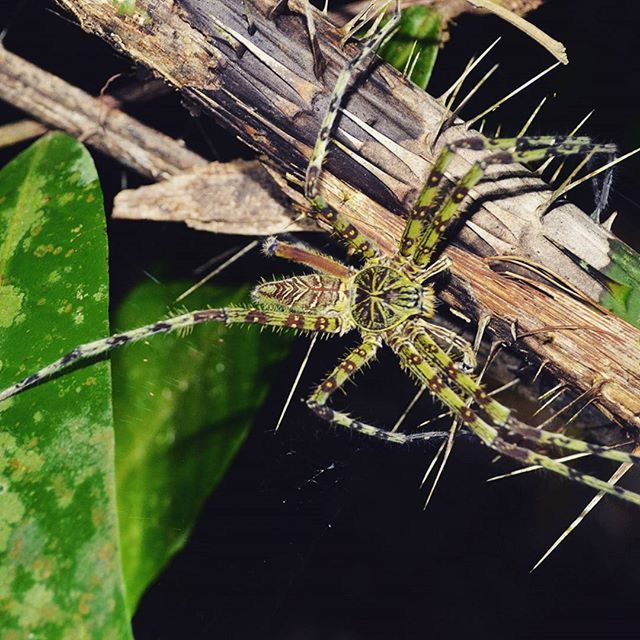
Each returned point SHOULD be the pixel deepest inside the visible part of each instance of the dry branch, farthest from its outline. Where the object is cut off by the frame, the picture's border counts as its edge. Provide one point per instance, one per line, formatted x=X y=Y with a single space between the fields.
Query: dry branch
x=262 y=86
x=232 y=197
x=62 y=106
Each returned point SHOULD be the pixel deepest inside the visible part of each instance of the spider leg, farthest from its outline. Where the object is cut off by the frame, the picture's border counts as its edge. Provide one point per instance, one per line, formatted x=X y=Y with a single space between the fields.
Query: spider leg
x=540 y=436
x=498 y=413
x=427 y=374
x=229 y=315
x=320 y=209
x=438 y=206
x=431 y=350
x=462 y=348
x=354 y=361
x=302 y=254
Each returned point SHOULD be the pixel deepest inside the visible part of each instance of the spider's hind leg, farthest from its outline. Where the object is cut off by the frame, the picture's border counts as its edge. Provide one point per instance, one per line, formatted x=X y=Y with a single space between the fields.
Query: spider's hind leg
x=441 y=387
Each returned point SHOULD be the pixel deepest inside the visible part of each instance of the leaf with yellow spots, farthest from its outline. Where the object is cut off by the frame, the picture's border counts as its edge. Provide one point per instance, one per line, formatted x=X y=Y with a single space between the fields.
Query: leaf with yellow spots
x=59 y=540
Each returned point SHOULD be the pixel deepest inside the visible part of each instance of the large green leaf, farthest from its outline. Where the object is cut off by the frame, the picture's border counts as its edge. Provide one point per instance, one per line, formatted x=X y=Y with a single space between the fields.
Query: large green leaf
x=183 y=406
x=59 y=558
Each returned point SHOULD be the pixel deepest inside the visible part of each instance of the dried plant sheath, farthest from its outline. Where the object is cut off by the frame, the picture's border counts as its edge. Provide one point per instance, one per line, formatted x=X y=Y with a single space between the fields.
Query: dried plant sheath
x=263 y=87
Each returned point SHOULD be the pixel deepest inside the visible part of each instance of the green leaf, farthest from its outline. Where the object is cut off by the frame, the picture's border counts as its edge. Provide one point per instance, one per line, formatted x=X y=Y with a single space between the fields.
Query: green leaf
x=183 y=406
x=59 y=558
x=622 y=282
x=418 y=36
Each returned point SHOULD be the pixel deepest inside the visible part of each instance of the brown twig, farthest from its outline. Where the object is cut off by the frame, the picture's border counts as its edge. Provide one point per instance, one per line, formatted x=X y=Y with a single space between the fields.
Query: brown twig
x=62 y=106
x=20 y=131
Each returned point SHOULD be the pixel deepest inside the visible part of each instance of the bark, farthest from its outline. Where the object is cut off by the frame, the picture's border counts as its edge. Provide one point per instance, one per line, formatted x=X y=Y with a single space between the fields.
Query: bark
x=262 y=87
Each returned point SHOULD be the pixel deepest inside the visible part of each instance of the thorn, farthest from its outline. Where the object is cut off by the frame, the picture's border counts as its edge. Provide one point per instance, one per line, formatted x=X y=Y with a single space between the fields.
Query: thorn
x=593 y=391
x=280 y=7
x=471 y=65
x=505 y=386
x=410 y=62
x=530 y=119
x=360 y=19
x=537 y=467
x=296 y=381
x=410 y=406
x=511 y=95
x=608 y=223
x=561 y=192
x=445 y=124
x=542 y=168
x=543 y=364
x=432 y=464
x=447 y=452
x=550 y=400
x=620 y=471
x=215 y=272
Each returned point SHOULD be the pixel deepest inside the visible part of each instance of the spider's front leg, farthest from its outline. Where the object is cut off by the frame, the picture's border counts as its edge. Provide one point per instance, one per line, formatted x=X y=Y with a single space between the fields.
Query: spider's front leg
x=439 y=206
x=353 y=362
x=320 y=209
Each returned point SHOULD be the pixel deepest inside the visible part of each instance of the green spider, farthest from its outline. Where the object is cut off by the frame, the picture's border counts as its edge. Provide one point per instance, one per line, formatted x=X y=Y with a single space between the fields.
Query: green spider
x=388 y=300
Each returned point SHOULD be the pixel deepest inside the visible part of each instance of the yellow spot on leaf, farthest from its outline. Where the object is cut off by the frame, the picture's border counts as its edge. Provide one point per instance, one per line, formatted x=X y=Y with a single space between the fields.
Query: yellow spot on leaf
x=11 y=306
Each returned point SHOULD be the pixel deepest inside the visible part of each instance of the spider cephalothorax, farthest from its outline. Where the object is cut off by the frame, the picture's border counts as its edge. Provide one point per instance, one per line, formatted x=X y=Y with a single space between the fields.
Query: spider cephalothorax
x=382 y=297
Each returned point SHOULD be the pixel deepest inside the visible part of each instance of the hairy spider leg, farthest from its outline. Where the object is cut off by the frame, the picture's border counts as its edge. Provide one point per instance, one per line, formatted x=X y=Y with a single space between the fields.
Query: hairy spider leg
x=500 y=414
x=438 y=206
x=413 y=361
x=348 y=366
x=425 y=206
x=540 y=436
x=350 y=235
x=432 y=351
x=462 y=349
x=320 y=209
x=367 y=47
x=303 y=254
x=228 y=315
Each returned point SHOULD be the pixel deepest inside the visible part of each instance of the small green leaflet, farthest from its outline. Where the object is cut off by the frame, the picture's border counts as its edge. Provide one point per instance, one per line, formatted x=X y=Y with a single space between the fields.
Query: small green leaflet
x=417 y=40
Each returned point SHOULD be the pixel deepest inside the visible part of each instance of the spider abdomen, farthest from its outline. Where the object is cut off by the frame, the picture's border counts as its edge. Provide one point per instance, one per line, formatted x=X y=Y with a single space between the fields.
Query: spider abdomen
x=383 y=297
x=316 y=293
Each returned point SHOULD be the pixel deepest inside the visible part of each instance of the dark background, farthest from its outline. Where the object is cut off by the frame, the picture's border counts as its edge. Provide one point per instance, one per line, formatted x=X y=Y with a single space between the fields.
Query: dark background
x=316 y=533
